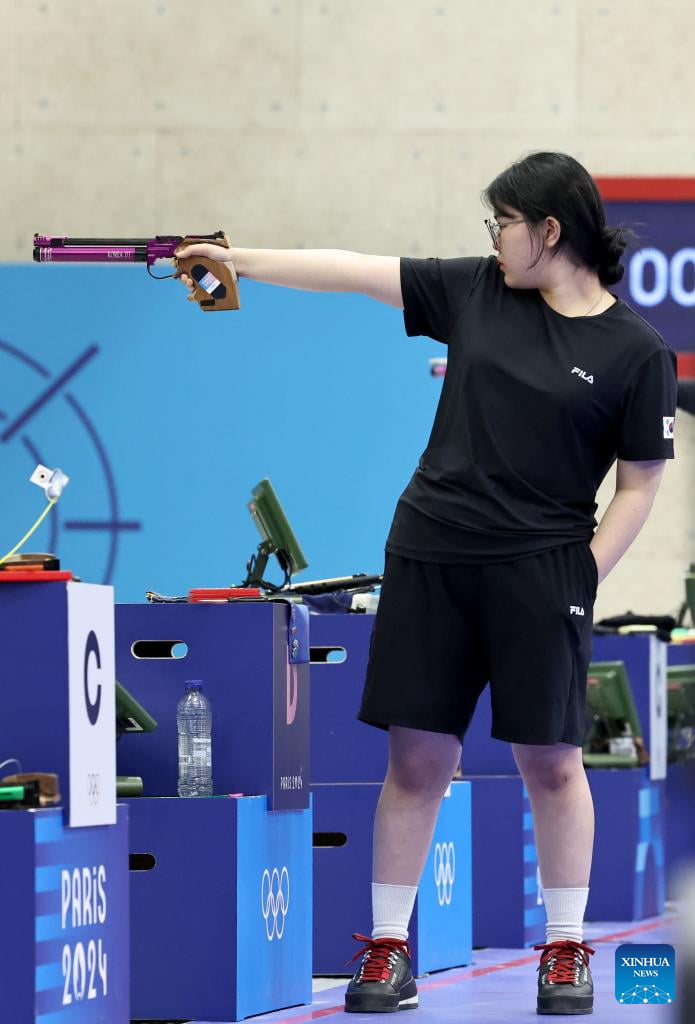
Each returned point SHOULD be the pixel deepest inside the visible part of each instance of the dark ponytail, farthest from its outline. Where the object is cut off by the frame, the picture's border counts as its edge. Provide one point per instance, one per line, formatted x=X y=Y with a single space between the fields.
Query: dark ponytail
x=611 y=247
x=556 y=185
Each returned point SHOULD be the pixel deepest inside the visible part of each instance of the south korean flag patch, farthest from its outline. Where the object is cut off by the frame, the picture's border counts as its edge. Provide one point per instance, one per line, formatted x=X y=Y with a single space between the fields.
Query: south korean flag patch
x=669 y=422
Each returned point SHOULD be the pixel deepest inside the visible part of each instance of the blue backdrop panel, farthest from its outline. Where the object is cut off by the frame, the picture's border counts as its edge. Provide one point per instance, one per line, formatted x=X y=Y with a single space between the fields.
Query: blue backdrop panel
x=64 y=897
x=440 y=928
x=221 y=909
x=165 y=417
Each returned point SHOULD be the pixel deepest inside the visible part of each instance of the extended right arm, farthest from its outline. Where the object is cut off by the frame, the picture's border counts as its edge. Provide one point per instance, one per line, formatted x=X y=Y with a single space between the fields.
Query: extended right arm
x=320 y=270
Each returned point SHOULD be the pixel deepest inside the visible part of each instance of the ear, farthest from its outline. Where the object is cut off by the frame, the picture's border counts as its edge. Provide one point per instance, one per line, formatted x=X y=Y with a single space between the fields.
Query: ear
x=551 y=231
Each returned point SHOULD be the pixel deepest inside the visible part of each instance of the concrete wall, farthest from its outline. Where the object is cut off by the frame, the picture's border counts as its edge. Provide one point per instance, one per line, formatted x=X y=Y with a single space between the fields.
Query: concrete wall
x=369 y=125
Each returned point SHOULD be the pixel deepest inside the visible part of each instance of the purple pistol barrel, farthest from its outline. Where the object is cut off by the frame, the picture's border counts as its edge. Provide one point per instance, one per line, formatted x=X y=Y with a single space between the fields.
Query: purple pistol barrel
x=58 y=249
x=88 y=254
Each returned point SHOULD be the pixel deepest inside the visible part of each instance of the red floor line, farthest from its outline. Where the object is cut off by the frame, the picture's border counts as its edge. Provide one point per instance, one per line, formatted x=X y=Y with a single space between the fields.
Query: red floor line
x=326 y=1012
x=477 y=972
x=635 y=931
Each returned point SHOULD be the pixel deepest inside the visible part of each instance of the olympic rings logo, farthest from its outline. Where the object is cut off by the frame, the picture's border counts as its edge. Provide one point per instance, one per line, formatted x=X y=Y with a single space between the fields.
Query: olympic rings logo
x=444 y=871
x=275 y=901
x=93 y=788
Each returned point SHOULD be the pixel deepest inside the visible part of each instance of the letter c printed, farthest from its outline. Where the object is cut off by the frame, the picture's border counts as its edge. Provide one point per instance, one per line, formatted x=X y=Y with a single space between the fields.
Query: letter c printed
x=91 y=647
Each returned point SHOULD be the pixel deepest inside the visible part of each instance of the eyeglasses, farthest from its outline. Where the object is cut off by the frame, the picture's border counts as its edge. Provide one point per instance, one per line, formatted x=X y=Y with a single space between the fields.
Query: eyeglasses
x=495 y=229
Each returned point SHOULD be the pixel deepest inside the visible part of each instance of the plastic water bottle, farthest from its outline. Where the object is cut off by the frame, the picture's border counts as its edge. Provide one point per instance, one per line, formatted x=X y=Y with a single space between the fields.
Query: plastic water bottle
x=194 y=723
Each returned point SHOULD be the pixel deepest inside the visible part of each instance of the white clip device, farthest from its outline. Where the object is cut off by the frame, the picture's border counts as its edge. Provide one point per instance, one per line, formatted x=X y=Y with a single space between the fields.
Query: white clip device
x=51 y=480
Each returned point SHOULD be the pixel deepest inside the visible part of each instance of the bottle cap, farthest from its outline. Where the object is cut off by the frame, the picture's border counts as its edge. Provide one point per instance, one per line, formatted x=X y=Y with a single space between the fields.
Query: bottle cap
x=194 y=684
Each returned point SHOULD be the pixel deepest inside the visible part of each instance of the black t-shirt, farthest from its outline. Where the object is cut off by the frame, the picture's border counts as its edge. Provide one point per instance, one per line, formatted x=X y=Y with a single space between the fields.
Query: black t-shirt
x=535 y=408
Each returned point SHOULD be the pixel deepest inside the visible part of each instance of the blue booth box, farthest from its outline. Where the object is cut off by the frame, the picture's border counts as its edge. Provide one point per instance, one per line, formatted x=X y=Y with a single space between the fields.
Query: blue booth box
x=508 y=909
x=681 y=654
x=64 y=898
x=220 y=898
x=627 y=872
x=679 y=796
x=57 y=649
x=259 y=697
x=343 y=749
x=679 y=816
x=440 y=928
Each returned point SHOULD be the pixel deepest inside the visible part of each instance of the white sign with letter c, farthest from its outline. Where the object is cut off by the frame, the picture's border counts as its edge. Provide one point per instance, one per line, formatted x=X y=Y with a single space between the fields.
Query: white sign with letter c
x=92 y=705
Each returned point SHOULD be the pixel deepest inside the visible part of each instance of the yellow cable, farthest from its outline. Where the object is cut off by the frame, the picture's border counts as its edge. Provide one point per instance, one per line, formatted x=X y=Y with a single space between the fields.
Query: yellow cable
x=26 y=536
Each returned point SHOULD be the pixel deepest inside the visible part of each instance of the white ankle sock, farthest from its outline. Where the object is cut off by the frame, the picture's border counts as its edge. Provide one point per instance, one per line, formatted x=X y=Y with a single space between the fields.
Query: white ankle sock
x=392 y=906
x=565 y=912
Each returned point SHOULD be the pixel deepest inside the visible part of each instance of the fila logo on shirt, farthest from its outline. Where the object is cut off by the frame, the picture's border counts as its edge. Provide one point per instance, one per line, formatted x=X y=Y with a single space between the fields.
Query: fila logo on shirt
x=576 y=609
x=669 y=422
x=588 y=377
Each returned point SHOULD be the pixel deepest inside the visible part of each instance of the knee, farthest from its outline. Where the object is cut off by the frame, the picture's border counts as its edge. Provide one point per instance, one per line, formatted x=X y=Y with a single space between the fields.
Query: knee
x=423 y=770
x=551 y=774
x=551 y=778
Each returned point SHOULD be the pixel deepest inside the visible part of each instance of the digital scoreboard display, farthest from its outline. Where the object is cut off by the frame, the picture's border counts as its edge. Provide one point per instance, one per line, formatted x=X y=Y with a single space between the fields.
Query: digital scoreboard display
x=659 y=280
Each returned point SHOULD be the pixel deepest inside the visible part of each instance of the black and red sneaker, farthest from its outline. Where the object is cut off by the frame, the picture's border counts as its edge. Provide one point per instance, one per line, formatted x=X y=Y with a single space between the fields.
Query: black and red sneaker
x=564 y=978
x=384 y=980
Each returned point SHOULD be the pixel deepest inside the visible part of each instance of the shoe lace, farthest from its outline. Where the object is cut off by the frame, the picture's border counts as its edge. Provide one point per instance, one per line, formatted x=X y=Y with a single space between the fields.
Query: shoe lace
x=564 y=958
x=378 y=956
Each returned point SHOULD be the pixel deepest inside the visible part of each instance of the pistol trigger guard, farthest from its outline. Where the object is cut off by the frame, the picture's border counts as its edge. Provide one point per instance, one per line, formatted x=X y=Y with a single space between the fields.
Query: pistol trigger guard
x=157 y=277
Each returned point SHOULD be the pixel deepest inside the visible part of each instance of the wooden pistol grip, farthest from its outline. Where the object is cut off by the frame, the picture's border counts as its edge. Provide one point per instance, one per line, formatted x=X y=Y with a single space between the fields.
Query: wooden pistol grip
x=216 y=274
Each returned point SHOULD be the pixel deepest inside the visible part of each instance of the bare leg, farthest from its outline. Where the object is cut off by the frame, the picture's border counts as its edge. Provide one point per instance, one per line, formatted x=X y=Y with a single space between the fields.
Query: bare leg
x=563 y=812
x=421 y=766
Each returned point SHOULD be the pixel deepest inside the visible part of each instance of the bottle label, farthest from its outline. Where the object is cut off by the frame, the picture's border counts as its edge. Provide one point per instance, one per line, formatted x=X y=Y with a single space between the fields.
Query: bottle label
x=202 y=751
x=184 y=756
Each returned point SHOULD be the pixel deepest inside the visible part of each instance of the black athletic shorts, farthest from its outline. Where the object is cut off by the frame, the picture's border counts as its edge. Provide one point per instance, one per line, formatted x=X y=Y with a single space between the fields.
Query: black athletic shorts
x=443 y=631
